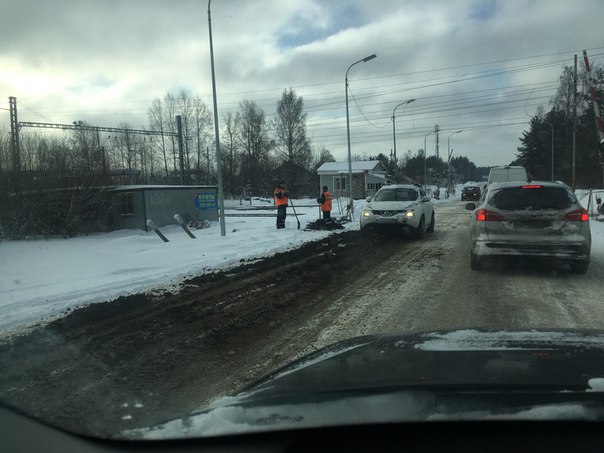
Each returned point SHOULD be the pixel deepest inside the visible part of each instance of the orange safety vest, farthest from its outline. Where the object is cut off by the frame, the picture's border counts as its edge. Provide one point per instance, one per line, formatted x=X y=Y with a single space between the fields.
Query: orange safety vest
x=280 y=201
x=327 y=205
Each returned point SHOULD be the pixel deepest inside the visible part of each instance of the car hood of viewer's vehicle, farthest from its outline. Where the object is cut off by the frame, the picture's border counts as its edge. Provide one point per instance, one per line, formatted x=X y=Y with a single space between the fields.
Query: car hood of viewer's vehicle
x=452 y=375
x=391 y=205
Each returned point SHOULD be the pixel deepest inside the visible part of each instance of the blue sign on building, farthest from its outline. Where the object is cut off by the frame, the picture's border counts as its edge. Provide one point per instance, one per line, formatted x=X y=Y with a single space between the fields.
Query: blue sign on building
x=205 y=201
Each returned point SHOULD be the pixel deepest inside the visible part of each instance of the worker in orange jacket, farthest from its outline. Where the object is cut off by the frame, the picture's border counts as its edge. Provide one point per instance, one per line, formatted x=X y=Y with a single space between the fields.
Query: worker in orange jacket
x=281 y=199
x=325 y=201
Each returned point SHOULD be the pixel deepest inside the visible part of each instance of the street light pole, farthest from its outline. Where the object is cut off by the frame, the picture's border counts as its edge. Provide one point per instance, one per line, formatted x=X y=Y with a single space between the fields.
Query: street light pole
x=216 y=132
x=425 y=157
x=394 y=123
x=350 y=199
x=449 y=158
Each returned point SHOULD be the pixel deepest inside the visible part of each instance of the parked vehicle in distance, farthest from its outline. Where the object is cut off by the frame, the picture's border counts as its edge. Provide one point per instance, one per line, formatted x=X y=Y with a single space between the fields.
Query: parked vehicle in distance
x=470 y=193
x=536 y=219
x=507 y=173
x=404 y=207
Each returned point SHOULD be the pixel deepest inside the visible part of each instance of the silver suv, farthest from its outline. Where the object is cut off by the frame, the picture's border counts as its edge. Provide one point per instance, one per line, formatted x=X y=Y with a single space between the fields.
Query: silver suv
x=538 y=219
x=403 y=206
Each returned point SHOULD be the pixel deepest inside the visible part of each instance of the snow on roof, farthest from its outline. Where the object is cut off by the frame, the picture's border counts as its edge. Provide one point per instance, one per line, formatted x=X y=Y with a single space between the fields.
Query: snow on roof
x=358 y=166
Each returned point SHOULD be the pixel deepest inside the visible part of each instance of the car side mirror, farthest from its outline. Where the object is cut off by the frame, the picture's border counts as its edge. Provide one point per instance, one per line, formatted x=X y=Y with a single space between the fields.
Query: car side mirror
x=471 y=206
x=425 y=199
x=368 y=199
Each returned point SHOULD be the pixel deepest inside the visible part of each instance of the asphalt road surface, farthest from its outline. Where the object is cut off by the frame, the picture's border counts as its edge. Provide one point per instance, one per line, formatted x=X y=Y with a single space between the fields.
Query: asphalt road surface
x=142 y=360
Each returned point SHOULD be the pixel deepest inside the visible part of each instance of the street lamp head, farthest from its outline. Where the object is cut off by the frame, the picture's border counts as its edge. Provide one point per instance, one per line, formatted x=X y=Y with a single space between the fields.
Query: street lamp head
x=370 y=57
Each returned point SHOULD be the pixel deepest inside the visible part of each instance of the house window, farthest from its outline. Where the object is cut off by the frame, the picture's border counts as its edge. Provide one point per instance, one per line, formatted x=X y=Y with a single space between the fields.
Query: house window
x=374 y=185
x=340 y=184
x=127 y=204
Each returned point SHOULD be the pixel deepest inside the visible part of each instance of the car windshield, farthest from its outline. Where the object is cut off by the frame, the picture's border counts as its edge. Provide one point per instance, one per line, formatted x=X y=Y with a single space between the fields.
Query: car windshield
x=396 y=194
x=218 y=217
x=519 y=198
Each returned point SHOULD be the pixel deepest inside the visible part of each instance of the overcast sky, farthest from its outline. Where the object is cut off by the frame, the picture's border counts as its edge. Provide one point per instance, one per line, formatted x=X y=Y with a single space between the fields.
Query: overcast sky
x=476 y=66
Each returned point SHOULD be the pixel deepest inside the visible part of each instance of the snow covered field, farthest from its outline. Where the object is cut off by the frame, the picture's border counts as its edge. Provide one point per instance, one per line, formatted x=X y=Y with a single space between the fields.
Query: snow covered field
x=43 y=279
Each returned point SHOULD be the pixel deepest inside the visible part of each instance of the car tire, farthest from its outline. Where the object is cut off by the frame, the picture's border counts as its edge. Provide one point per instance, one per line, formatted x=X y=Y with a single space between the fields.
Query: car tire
x=579 y=267
x=420 y=231
x=475 y=262
x=430 y=228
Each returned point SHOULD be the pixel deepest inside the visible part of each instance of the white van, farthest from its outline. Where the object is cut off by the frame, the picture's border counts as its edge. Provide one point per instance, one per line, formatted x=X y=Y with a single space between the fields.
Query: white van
x=507 y=173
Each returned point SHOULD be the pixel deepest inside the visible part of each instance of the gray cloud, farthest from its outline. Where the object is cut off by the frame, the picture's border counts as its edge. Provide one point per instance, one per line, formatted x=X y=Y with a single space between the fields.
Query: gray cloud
x=105 y=61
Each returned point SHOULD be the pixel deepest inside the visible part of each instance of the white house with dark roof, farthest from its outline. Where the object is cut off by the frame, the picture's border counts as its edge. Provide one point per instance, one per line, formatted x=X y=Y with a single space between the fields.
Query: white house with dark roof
x=367 y=177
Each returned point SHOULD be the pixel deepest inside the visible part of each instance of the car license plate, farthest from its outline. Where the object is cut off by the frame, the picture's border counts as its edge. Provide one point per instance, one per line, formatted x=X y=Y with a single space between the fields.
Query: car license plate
x=390 y=220
x=532 y=224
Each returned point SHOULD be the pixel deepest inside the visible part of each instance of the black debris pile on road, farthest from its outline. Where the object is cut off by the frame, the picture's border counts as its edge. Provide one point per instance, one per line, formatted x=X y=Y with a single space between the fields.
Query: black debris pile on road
x=321 y=224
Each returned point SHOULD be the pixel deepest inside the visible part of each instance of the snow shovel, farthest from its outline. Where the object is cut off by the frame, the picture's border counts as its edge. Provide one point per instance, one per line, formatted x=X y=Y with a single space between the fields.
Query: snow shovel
x=294 y=209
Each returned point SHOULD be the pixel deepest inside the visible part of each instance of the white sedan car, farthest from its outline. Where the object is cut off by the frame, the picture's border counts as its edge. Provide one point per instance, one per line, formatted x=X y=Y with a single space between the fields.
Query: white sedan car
x=402 y=206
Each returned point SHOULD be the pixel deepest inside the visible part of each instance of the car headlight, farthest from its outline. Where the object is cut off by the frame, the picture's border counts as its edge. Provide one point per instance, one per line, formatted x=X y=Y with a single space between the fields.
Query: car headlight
x=410 y=214
x=367 y=213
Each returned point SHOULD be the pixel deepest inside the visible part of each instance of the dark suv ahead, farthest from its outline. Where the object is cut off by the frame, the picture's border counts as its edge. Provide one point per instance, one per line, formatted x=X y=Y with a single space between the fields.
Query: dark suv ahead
x=470 y=193
x=538 y=219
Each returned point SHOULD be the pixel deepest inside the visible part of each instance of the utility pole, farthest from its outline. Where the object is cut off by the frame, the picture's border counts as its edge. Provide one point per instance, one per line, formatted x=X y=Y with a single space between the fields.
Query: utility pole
x=574 y=121
x=101 y=150
x=216 y=132
x=436 y=131
x=208 y=164
x=180 y=149
x=409 y=101
x=14 y=135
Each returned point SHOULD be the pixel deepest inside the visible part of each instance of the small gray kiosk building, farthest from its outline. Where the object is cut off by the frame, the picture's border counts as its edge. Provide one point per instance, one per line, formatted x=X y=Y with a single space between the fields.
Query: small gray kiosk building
x=132 y=206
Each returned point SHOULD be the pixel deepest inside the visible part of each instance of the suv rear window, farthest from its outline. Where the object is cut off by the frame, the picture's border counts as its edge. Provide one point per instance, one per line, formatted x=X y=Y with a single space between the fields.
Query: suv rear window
x=517 y=198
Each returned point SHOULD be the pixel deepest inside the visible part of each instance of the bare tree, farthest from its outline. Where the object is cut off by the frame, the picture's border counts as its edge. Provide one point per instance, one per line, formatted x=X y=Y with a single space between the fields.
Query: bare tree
x=256 y=145
x=290 y=130
x=230 y=152
x=159 y=122
x=204 y=139
x=197 y=126
x=320 y=156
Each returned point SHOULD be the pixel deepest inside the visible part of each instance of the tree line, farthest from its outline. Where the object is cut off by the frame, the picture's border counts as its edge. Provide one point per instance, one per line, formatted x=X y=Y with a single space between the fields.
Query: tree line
x=549 y=138
x=411 y=166
x=254 y=149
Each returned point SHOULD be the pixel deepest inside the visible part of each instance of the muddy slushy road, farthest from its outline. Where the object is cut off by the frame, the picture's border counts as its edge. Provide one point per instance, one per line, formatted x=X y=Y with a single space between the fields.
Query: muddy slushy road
x=142 y=360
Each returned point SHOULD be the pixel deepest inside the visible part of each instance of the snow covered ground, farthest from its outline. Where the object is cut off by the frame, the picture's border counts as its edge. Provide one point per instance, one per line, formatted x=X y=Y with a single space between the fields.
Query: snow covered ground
x=44 y=279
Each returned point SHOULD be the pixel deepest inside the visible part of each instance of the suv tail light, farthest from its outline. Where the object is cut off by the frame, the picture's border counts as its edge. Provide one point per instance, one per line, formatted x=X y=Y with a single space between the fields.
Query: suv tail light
x=532 y=186
x=484 y=215
x=579 y=215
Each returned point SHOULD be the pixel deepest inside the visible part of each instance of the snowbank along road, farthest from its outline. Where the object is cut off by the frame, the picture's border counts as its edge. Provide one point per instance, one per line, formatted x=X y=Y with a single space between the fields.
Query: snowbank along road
x=100 y=368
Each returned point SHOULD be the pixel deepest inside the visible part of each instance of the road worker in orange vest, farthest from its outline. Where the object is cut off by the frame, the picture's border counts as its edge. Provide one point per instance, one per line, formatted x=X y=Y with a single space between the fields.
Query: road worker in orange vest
x=325 y=201
x=281 y=199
